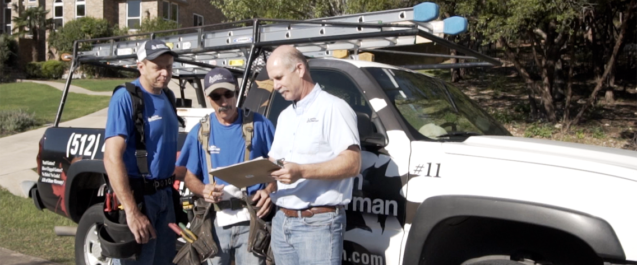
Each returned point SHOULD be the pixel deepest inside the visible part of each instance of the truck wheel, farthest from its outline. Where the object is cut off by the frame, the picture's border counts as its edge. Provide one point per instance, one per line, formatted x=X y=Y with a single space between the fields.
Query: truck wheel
x=87 y=245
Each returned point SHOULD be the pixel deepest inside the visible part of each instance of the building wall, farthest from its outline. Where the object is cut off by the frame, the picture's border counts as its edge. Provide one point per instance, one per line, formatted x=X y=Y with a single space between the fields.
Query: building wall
x=149 y=8
x=211 y=14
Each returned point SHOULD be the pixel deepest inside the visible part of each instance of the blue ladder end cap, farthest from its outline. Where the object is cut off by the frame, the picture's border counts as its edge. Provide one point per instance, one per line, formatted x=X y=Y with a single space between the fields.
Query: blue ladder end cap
x=425 y=12
x=455 y=25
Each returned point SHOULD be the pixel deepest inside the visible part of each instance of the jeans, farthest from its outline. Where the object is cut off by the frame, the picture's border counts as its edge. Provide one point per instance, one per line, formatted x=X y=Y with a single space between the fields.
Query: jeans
x=308 y=240
x=161 y=250
x=233 y=242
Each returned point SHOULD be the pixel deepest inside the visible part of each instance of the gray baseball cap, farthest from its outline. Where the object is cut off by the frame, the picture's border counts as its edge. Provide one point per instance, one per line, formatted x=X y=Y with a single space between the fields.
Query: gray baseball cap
x=219 y=78
x=152 y=49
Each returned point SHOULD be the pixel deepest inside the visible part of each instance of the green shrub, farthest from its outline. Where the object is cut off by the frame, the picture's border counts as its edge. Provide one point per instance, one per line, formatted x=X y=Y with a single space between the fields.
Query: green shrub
x=544 y=130
x=8 y=55
x=53 y=69
x=14 y=121
x=79 y=29
x=34 y=70
x=598 y=133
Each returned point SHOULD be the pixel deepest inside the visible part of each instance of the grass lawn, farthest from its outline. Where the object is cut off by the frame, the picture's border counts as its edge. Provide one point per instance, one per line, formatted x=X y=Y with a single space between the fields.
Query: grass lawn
x=97 y=84
x=43 y=100
x=30 y=232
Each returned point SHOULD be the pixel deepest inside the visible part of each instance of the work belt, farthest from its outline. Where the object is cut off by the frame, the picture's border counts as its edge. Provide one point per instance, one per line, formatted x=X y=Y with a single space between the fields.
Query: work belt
x=151 y=186
x=233 y=204
x=309 y=212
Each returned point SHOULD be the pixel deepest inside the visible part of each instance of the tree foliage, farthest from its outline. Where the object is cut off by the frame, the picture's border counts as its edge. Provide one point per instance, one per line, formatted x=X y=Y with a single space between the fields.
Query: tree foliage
x=79 y=29
x=157 y=24
x=8 y=54
x=561 y=35
x=30 y=22
x=302 y=9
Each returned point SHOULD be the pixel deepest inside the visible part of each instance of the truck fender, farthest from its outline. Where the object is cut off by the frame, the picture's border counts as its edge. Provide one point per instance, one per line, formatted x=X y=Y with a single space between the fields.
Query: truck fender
x=595 y=232
x=75 y=170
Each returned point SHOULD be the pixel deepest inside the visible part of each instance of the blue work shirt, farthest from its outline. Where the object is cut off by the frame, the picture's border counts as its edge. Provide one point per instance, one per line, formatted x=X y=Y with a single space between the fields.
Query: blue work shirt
x=227 y=147
x=160 y=128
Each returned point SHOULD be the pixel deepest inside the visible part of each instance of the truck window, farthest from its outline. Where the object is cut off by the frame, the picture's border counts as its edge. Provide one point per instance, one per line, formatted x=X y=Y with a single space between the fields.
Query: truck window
x=333 y=82
x=432 y=107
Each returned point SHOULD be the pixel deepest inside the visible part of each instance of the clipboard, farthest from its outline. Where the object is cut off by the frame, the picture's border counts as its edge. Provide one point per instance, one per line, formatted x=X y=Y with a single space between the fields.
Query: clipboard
x=247 y=173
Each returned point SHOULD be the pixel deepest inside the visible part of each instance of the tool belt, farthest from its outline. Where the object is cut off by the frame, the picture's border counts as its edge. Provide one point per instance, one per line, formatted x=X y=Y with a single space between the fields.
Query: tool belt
x=151 y=186
x=260 y=233
x=114 y=235
x=204 y=246
x=232 y=204
x=308 y=212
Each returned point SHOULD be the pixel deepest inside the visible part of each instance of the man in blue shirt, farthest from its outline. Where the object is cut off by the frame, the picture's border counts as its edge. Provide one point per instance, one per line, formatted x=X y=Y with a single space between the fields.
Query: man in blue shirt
x=149 y=225
x=227 y=147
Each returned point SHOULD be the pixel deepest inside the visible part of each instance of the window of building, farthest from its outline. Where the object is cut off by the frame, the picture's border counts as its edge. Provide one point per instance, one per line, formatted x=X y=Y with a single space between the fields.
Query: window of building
x=174 y=12
x=7 y=20
x=58 y=14
x=170 y=11
x=197 y=20
x=80 y=8
x=134 y=14
x=165 y=11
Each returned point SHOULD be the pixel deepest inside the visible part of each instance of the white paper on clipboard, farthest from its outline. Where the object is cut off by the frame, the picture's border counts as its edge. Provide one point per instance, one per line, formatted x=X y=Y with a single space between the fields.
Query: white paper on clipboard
x=247 y=173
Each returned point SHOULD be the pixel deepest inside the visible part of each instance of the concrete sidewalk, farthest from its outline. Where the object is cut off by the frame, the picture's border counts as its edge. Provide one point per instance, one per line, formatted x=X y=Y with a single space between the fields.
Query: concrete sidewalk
x=74 y=89
x=10 y=257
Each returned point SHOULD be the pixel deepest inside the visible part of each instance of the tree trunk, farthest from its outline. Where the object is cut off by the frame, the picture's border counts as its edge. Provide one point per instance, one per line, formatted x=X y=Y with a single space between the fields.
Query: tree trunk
x=609 y=66
x=34 y=48
x=569 y=82
x=546 y=66
x=528 y=80
x=455 y=72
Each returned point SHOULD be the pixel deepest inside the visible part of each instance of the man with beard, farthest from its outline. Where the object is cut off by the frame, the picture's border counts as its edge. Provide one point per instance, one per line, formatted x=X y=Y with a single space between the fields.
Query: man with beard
x=227 y=146
x=148 y=181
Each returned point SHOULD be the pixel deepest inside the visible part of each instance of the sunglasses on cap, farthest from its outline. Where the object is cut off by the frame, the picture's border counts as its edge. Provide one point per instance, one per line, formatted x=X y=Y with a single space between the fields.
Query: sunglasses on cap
x=228 y=94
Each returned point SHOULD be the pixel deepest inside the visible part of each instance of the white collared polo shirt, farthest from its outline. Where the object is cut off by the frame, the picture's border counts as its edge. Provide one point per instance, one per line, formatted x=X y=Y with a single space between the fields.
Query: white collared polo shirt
x=314 y=130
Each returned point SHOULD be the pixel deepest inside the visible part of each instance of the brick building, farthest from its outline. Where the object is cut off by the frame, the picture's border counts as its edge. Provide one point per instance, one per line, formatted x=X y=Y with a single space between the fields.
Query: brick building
x=119 y=13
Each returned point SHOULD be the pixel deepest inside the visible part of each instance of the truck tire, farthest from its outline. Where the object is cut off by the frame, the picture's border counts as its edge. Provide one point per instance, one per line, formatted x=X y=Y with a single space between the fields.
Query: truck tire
x=87 y=245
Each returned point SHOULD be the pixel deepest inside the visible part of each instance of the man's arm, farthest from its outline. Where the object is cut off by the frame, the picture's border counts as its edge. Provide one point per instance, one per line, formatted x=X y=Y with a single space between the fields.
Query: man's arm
x=138 y=223
x=346 y=164
x=211 y=193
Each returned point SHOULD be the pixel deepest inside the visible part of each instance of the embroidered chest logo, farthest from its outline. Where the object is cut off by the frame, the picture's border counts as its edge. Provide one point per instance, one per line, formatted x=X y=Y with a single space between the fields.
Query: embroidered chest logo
x=154 y=118
x=214 y=150
x=312 y=120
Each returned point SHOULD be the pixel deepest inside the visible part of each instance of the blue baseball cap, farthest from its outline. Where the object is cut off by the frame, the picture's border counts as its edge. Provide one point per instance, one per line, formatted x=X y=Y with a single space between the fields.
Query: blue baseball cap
x=219 y=78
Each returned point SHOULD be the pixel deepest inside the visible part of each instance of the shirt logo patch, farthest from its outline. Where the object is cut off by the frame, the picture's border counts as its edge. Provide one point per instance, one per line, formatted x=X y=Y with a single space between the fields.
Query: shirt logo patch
x=312 y=120
x=214 y=150
x=154 y=118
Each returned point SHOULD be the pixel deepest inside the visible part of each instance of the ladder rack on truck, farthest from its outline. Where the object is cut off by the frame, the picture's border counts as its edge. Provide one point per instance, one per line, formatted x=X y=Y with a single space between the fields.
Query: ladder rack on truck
x=236 y=47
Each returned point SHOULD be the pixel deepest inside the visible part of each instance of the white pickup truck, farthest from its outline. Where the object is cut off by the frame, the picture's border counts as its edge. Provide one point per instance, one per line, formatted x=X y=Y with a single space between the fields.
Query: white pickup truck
x=441 y=181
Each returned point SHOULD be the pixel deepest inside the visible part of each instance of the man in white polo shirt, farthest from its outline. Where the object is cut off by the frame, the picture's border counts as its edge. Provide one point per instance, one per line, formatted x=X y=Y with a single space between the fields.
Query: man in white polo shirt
x=317 y=138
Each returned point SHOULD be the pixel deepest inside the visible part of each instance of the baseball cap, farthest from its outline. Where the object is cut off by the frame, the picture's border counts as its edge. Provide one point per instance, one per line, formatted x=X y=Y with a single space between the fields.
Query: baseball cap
x=219 y=78
x=152 y=49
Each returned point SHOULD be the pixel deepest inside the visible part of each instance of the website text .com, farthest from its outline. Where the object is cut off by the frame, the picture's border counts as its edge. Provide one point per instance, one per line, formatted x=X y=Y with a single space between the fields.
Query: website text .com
x=362 y=258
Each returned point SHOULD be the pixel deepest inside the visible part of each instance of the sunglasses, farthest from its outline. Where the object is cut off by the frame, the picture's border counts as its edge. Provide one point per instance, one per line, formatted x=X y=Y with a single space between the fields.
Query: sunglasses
x=228 y=95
